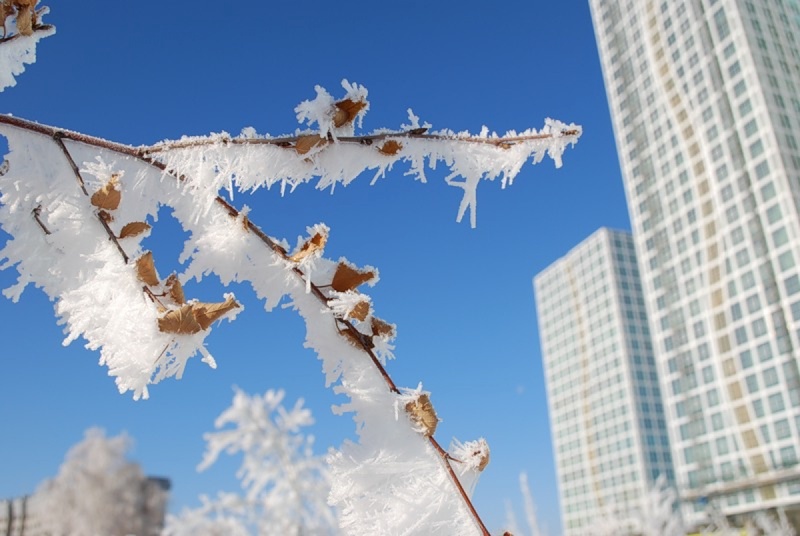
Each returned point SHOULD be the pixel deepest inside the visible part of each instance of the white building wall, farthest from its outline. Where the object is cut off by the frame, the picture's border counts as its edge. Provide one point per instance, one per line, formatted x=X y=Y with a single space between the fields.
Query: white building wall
x=706 y=112
x=604 y=403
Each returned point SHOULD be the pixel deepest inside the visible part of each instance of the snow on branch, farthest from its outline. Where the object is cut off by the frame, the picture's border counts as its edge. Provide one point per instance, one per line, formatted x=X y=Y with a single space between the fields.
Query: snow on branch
x=331 y=155
x=77 y=208
x=22 y=30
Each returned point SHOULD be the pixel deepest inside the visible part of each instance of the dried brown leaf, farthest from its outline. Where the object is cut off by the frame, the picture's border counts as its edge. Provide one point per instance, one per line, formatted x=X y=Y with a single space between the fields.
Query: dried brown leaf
x=207 y=313
x=108 y=197
x=146 y=270
x=381 y=328
x=360 y=311
x=175 y=289
x=484 y=459
x=313 y=244
x=347 y=111
x=390 y=147
x=180 y=321
x=348 y=278
x=25 y=20
x=134 y=228
x=305 y=143
x=423 y=415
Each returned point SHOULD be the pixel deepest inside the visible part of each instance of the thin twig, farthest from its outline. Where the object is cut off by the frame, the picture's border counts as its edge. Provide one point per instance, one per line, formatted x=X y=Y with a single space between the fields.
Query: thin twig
x=368 y=139
x=37 y=28
x=57 y=137
x=37 y=215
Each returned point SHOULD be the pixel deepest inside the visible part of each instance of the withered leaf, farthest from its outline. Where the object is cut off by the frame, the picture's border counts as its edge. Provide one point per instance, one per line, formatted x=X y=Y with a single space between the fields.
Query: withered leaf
x=207 y=313
x=390 y=147
x=108 y=197
x=423 y=415
x=175 y=289
x=25 y=20
x=313 y=244
x=305 y=143
x=134 y=228
x=381 y=328
x=146 y=270
x=360 y=311
x=348 y=278
x=346 y=111
x=180 y=321
x=484 y=458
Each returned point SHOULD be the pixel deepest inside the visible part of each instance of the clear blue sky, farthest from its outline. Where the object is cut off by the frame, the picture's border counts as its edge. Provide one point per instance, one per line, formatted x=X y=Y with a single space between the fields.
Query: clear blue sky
x=462 y=298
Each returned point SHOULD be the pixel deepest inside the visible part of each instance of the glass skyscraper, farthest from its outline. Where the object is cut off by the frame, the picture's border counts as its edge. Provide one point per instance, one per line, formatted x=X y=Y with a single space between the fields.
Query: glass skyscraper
x=704 y=101
x=606 y=414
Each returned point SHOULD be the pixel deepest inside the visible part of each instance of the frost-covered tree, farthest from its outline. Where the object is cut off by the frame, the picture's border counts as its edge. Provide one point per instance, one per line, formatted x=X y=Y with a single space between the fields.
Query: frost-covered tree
x=98 y=491
x=78 y=207
x=285 y=485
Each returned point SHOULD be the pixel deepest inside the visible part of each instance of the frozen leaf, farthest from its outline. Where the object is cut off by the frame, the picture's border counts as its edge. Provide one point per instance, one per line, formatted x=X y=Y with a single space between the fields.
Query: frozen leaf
x=135 y=228
x=25 y=18
x=304 y=144
x=390 y=147
x=175 y=289
x=310 y=246
x=108 y=197
x=348 y=278
x=146 y=270
x=207 y=313
x=381 y=328
x=473 y=455
x=423 y=415
x=347 y=111
x=180 y=321
x=360 y=311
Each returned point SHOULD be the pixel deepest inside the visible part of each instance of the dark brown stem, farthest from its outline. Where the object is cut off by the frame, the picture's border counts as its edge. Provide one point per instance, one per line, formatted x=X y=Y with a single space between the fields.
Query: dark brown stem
x=57 y=137
x=143 y=155
x=37 y=215
x=368 y=139
x=37 y=28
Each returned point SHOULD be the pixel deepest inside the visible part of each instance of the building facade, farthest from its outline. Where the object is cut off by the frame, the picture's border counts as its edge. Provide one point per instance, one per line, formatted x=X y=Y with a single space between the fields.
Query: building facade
x=705 y=106
x=606 y=415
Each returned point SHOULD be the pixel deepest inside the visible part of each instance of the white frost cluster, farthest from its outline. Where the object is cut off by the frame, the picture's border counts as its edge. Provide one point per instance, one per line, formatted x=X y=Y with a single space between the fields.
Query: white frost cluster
x=222 y=162
x=17 y=52
x=97 y=296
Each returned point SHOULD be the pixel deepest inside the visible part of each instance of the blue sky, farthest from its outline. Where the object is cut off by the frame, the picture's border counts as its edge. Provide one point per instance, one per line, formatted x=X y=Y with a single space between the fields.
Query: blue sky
x=462 y=298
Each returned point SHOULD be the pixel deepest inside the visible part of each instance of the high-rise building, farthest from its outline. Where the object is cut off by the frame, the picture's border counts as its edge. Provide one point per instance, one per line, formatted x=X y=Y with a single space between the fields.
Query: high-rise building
x=606 y=415
x=705 y=103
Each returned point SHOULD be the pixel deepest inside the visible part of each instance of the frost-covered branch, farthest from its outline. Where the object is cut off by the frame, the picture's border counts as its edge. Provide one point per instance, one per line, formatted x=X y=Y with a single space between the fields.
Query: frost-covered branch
x=67 y=239
x=22 y=30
